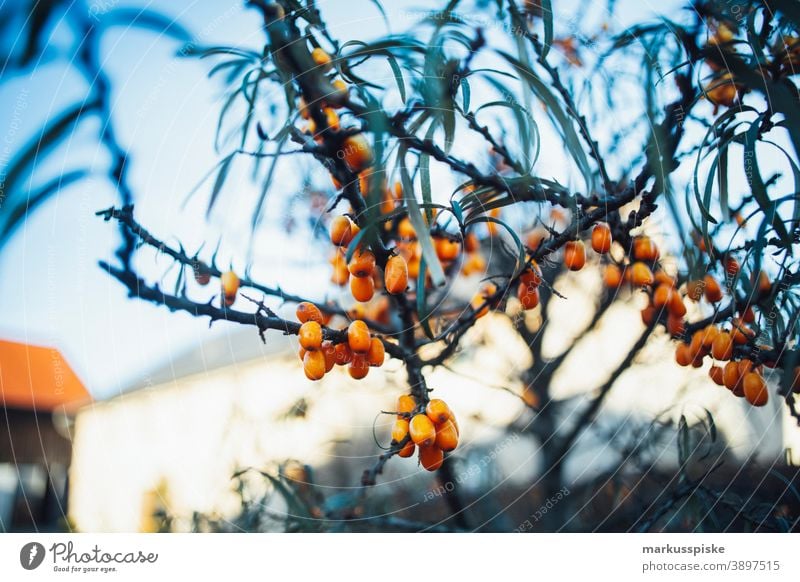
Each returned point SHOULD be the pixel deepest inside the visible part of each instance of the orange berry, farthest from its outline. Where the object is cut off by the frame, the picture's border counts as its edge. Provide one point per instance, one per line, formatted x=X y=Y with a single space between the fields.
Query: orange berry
x=342 y=231
x=531 y=276
x=731 y=377
x=446 y=436
x=340 y=276
x=649 y=315
x=407 y=450
x=601 y=238
x=663 y=279
x=732 y=267
x=431 y=457
x=406 y=404
x=358 y=337
x=722 y=346
x=395 y=275
x=709 y=334
x=302 y=353
x=321 y=58
x=641 y=275
x=446 y=249
x=683 y=355
x=612 y=276
x=438 y=411
x=475 y=263
x=359 y=367
x=471 y=243
x=362 y=288
x=694 y=290
x=644 y=249
x=528 y=296
x=755 y=389
x=716 y=374
x=344 y=355
x=422 y=430
x=676 y=305
x=310 y=335
x=329 y=351
x=662 y=296
x=307 y=311
x=356 y=152
x=230 y=286
x=574 y=255
x=478 y=302
x=405 y=230
x=314 y=365
x=376 y=353
x=748 y=316
x=675 y=325
x=362 y=263
x=740 y=333
x=399 y=430
x=712 y=290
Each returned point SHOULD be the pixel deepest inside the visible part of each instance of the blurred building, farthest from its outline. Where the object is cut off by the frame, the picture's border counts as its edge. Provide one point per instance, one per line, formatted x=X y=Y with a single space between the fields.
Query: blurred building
x=39 y=392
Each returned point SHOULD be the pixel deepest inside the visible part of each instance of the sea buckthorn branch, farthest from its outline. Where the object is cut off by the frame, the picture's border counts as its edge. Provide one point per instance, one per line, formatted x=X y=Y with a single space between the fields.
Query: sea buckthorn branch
x=140 y=289
x=124 y=216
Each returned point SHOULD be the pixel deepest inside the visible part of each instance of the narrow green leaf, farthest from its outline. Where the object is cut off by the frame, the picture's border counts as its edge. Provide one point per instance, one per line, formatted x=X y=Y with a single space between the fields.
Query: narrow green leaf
x=547 y=18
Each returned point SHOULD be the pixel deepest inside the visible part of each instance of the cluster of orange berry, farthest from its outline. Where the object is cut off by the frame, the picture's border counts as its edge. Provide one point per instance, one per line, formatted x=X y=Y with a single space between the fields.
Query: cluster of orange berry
x=434 y=430
x=359 y=352
x=740 y=377
x=361 y=271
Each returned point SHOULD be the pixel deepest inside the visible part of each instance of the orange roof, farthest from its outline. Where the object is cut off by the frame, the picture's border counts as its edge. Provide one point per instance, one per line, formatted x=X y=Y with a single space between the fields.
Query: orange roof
x=37 y=378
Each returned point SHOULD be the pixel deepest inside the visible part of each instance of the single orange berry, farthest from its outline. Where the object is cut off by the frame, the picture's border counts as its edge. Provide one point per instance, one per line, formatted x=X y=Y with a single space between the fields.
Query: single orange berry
x=358 y=337
x=362 y=263
x=531 y=276
x=528 y=296
x=644 y=249
x=574 y=255
x=709 y=334
x=722 y=346
x=405 y=230
x=310 y=335
x=431 y=457
x=694 y=290
x=362 y=288
x=395 y=275
x=329 y=351
x=399 y=430
x=356 y=152
x=676 y=326
x=342 y=231
x=446 y=436
x=314 y=365
x=471 y=243
x=716 y=374
x=712 y=290
x=446 y=249
x=662 y=296
x=344 y=355
x=376 y=353
x=612 y=276
x=307 y=311
x=731 y=377
x=649 y=315
x=359 y=367
x=662 y=278
x=407 y=450
x=755 y=389
x=438 y=411
x=406 y=404
x=422 y=430
x=641 y=275
x=230 y=286
x=321 y=58
x=601 y=238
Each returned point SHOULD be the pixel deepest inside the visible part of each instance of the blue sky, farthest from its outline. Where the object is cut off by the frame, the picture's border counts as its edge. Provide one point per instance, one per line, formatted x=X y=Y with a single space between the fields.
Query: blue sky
x=166 y=111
